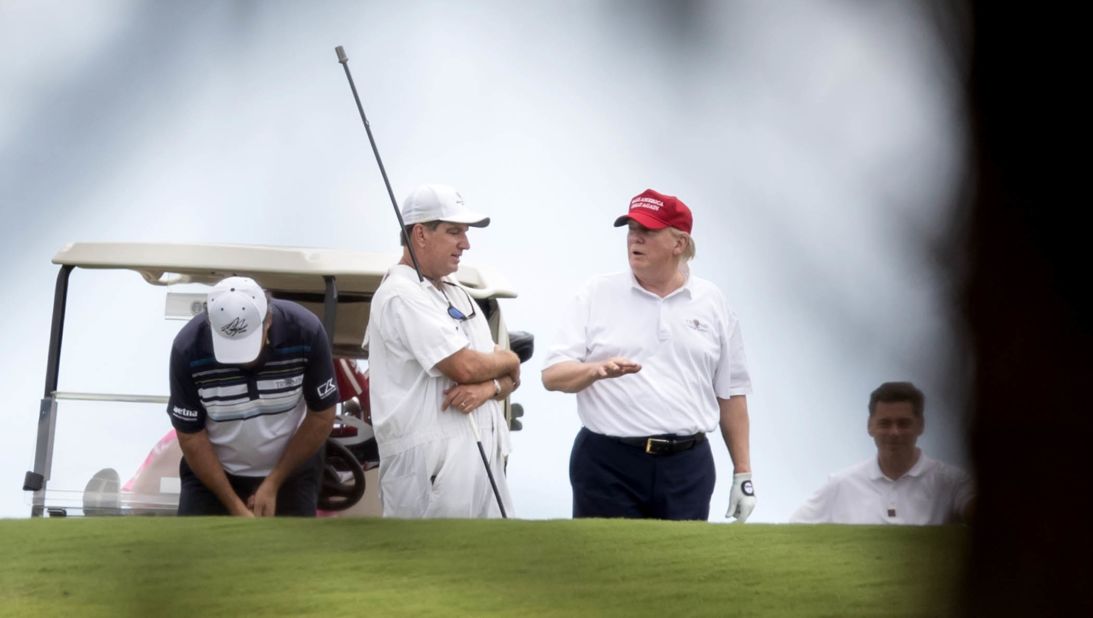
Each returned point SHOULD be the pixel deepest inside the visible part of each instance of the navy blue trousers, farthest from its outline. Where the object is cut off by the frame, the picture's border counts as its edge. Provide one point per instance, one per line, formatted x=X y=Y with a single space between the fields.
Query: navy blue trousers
x=298 y=495
x=612 y=479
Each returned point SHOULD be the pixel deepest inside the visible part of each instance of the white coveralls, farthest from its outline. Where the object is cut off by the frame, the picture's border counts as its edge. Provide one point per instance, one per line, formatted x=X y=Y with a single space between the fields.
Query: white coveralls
x=429 y=463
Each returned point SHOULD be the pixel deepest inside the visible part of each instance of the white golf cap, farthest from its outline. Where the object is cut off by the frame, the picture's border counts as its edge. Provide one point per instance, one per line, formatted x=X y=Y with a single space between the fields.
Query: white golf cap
x=237 y=308
x=439 y=203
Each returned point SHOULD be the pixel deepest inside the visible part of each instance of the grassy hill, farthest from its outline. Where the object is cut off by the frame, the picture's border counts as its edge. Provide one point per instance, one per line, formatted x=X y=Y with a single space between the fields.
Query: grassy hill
x=370 y=567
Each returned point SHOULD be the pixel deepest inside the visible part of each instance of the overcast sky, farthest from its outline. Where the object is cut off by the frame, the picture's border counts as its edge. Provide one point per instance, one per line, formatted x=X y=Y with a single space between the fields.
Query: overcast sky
x=818 y=144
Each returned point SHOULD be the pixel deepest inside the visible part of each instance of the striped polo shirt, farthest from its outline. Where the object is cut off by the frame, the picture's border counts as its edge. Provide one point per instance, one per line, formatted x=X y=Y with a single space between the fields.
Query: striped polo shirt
x=251 y=413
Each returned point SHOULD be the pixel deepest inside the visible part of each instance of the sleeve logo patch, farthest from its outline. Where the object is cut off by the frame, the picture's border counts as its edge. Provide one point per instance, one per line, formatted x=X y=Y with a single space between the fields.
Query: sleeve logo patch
x=184 y=413
x=326 y=388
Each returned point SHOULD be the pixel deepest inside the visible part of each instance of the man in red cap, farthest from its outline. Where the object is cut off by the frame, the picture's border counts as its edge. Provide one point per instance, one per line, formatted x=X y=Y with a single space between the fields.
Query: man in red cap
x=657 y=361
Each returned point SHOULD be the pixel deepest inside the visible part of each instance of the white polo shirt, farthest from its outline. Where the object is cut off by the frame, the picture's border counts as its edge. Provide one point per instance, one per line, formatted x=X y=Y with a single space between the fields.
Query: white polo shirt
x=409 y=332
x=688 y=344
x=930 y=493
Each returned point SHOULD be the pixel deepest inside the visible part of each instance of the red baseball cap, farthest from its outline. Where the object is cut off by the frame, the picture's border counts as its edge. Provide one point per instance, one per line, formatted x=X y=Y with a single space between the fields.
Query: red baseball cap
x=657 y=211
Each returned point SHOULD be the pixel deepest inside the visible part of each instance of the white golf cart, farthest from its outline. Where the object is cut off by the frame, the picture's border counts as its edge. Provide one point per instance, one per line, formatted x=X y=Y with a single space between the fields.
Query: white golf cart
x=336 y=285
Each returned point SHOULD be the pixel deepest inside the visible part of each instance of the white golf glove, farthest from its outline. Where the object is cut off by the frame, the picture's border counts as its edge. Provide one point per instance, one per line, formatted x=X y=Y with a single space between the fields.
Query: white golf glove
x=742 y=497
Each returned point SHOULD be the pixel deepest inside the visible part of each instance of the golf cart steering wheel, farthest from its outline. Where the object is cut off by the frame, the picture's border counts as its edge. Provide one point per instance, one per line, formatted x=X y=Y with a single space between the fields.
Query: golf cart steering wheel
x=338 y=492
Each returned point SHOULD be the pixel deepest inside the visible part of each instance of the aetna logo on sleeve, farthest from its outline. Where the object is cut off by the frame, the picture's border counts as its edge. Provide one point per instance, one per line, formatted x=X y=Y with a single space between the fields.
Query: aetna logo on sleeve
x=183 y=413
x=326 y=388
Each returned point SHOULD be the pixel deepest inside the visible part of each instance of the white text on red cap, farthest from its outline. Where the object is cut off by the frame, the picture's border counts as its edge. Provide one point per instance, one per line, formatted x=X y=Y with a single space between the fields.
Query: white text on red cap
x=646 y=202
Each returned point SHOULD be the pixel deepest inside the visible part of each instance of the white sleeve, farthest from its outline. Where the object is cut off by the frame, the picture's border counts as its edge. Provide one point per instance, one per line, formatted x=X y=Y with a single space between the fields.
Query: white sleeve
x=963 y=491
x=731 y=377
x=817 y=509
x=571 y=338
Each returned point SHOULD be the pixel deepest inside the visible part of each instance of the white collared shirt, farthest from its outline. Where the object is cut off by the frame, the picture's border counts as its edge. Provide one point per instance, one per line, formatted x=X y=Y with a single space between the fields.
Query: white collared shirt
x=688 y=344
x=409 y=332
x=930 y=493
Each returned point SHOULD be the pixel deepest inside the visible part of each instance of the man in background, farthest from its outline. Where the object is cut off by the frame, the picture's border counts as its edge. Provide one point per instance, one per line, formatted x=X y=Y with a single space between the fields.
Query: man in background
x=901 y=485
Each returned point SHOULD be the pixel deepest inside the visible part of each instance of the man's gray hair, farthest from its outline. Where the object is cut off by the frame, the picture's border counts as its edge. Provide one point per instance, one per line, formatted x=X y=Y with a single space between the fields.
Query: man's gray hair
x=689 y=249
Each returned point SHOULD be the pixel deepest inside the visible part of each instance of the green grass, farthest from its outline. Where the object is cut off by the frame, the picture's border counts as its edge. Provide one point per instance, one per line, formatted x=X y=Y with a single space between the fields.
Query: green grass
x=163 y=567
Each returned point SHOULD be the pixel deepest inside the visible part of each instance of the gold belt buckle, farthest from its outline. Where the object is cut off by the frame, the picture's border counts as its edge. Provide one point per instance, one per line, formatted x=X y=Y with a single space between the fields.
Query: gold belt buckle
x=649 y=444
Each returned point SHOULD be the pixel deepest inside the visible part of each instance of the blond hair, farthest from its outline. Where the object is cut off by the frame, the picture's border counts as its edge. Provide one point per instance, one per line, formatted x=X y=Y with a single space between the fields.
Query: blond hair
x=689 y=244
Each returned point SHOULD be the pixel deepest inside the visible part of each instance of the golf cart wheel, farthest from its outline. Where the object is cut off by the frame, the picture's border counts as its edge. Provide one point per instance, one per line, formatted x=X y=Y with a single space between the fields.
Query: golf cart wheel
x=343 y=479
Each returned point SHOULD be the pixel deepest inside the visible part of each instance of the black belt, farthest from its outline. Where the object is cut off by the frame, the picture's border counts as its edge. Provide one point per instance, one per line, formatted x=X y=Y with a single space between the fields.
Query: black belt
x=664 y=445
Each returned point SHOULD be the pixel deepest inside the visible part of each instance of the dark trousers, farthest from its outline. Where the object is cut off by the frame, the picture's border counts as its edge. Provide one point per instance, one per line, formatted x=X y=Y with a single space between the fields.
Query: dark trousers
x=612 y=479
x=298 y=496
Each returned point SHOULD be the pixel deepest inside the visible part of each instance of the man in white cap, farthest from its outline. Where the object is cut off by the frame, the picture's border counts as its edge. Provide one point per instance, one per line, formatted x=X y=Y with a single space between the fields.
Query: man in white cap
x=432 y=362
x=656 y=359
x=253 y=393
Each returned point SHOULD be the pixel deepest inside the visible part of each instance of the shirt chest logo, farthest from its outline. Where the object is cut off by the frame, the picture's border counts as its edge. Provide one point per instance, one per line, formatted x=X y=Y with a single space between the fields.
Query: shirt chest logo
x=697 y=325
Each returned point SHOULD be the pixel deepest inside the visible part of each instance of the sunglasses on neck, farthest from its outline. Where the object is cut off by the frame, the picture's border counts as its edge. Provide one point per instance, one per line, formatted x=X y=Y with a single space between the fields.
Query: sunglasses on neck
x=454 y=311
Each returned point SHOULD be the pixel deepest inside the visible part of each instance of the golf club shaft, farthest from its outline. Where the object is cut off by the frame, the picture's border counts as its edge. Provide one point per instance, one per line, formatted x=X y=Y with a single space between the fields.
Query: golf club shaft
x=344 y=60
x=486 y=464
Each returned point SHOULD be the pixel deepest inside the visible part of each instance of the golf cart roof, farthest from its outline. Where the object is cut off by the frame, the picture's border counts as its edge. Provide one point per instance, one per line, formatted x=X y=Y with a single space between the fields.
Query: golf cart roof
x=291 y=273
x=278 y=269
